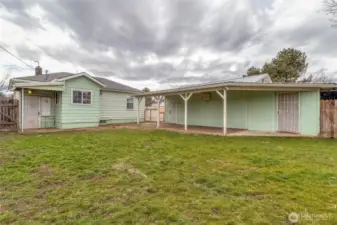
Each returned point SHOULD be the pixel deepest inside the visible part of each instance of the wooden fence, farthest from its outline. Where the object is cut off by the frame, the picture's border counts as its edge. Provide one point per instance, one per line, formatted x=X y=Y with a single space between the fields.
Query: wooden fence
x=150 y=114
x=9 y=114
x=329 y=118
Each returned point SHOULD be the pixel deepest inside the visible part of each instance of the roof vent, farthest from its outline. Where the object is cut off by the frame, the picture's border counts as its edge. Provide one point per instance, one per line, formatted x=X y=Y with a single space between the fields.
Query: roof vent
x=38 y=69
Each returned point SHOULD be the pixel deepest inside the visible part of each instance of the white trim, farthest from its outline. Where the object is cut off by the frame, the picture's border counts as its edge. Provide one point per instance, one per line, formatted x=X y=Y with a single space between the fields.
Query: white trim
x=40 y=112
x=224 y=112
x=186 y=98
x=75 y=89
x=80 y=75
x=28 y=84
x=299 y=113
x=139 y=99
x=13 y=80
x=277 y=112
x=293 y=87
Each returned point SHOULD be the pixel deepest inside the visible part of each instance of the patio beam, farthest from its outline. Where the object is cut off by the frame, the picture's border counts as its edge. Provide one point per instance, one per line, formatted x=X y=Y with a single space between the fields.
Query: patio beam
x=223 y=95
x=139 y=99
x=186 y=97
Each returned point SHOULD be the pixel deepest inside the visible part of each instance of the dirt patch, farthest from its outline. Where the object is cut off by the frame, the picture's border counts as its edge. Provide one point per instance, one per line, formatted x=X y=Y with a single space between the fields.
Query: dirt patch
x=43 y=170
x=121 y=166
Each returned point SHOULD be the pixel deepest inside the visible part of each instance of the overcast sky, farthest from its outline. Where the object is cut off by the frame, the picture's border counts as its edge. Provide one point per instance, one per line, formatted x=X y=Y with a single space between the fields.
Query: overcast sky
x=162 y=43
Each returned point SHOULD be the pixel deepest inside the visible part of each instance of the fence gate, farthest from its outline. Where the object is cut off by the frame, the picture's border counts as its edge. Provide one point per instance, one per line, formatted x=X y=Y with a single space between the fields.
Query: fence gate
x=151 y=114
x=329 y=118
x=9 y=114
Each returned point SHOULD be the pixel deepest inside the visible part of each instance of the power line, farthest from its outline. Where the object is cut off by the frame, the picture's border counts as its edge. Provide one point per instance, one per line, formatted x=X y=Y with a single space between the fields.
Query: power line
x=16 y=57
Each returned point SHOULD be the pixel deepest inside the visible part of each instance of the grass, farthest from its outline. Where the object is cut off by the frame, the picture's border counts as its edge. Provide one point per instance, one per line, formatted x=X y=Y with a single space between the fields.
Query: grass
x=159 y=177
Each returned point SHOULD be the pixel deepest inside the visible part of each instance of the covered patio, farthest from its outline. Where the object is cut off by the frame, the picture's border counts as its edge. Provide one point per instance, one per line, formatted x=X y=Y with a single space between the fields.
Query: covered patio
x=206 y=130
x=231 y=108
x=39 y=104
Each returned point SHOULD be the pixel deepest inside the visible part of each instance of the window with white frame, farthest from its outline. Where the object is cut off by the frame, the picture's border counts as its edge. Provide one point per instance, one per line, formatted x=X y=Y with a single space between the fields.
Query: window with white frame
x=129 y=103
x=81 y=97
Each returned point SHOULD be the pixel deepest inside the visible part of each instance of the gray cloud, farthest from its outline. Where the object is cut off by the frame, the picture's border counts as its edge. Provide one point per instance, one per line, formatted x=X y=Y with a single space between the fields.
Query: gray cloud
x=21 y=18
x=27 y=52
x=134 y=30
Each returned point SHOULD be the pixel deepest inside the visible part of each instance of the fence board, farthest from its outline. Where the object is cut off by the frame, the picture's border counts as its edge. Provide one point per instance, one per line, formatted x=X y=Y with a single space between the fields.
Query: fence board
x=328 y=123
x=9 y=114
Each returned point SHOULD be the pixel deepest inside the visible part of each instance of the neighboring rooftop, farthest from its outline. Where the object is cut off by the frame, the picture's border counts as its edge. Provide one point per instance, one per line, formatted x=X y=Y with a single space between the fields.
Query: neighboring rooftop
x=261 y=78
x=109 y=84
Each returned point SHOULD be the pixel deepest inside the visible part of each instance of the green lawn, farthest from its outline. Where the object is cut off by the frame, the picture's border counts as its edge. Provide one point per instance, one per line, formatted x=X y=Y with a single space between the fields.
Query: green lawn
x=159 y=177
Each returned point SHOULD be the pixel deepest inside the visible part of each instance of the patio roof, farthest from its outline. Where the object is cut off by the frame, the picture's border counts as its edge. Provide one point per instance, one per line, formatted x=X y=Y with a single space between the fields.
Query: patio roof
x=241 y=86
x=51 y=86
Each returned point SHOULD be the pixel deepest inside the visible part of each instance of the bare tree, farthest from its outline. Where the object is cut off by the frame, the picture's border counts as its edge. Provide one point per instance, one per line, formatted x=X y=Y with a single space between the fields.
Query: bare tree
x=318 y=77
x=6 y=76
x=330 y=7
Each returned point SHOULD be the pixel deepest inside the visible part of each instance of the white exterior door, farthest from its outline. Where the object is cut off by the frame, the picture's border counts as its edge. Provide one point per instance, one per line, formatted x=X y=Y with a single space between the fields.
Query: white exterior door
x=31 y=112
x=288 y=112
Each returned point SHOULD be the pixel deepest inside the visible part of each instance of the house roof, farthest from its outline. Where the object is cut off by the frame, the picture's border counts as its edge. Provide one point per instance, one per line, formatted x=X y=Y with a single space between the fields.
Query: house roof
x=246 y=79
x=45 y=77
x=114 y=86
x=108 y=84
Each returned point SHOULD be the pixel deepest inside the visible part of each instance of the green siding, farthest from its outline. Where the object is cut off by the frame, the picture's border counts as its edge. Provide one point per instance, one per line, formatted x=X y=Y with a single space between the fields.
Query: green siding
x=113 y=108
x=245 y=110
x=252 y=110
x=236 y=110
x=47 y=122
x=310 y=113
x=78 y=115
x=261 y=110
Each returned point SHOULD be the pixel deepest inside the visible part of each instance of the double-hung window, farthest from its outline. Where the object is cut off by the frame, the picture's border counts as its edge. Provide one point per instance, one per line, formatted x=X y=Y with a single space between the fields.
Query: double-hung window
x=82 y=97
x=129 y=103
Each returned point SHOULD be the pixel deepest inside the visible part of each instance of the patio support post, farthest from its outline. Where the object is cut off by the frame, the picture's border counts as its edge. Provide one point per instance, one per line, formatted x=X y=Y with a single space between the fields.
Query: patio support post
x=158 y=112
x=186 y=97
x=22 y=107
x=159 y=99
x=224 y=97
x=139 y=99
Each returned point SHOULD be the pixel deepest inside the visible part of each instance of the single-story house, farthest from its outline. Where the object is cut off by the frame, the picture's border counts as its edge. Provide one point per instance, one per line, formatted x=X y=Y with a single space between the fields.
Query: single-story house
x=249 y=103
x=67 y=100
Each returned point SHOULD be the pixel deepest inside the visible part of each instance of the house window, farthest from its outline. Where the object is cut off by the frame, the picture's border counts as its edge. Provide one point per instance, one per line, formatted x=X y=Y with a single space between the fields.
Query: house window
x=57 y=98
x=81 y=97
x=86 y=95
x=129 y=103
